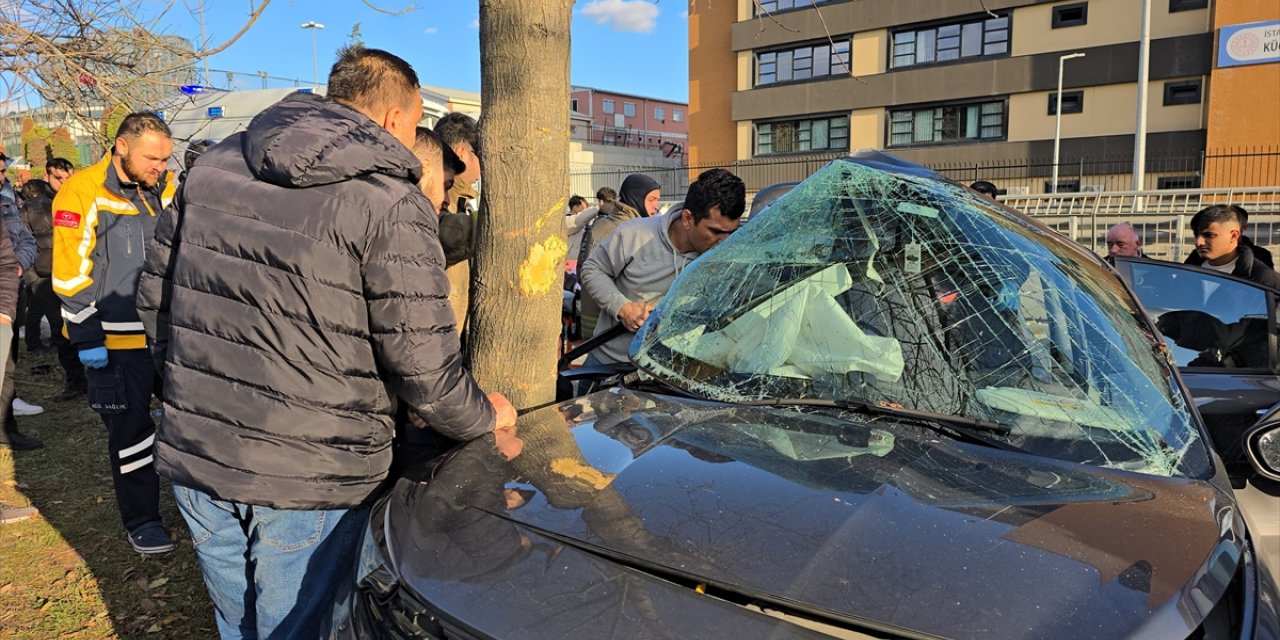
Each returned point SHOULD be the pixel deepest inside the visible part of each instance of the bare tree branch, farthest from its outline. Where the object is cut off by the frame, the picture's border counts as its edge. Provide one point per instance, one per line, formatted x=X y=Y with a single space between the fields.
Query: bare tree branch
x=84 y=57
x=391 y=12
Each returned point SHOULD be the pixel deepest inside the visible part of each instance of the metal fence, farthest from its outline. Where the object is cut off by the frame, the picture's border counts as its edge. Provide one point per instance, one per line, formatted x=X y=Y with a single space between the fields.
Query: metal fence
x=1161 y=218
x=1258 y=166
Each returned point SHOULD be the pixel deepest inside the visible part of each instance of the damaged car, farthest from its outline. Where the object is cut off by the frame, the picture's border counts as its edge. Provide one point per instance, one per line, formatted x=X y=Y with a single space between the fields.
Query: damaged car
x=886 y=408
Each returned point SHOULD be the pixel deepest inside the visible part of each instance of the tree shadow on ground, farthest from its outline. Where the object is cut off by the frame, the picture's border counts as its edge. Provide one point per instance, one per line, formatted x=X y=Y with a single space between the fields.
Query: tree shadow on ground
x=71 y=572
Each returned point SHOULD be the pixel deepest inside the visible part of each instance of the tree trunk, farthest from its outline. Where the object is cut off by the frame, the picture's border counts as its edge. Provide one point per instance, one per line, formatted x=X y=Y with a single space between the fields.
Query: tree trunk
x=518 y=270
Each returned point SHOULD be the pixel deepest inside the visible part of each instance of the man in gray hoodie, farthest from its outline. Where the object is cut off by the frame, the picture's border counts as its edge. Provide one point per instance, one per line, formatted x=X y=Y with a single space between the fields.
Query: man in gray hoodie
x=629 y=271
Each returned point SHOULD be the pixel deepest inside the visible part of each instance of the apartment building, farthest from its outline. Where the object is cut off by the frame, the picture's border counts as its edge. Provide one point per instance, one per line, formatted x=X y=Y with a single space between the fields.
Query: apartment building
x=955 y=81
x=625 y=120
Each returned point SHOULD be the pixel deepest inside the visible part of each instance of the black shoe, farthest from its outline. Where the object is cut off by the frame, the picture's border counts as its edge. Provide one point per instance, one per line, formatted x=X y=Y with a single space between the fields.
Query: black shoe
x=151 y=538
x=20 y=441
x=69 y=393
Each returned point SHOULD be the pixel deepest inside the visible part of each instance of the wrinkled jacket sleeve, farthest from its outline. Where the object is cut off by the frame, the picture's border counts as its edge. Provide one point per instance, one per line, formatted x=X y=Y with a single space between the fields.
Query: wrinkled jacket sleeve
x=155 y=285
x=24 y=244
x=600 y=270
x=412 y=324
x=75 y=234
x=578 y=221
x=8 y=278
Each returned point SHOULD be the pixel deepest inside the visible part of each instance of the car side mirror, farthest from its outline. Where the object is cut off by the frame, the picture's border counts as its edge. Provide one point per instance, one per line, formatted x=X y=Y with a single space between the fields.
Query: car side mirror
x=1262 y=446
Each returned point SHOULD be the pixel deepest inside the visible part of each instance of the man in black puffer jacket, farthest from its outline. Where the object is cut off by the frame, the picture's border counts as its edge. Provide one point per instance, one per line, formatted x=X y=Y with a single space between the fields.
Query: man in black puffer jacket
x=295 y=295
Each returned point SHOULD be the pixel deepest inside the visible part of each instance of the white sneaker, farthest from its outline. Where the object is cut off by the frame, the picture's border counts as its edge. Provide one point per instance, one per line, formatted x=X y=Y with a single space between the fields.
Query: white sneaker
x=23 y=408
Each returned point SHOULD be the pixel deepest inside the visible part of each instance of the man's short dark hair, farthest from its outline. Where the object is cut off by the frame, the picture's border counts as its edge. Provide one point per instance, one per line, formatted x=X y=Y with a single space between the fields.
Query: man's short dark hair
x=607 y=194
x=370 y=79
x=716 y=188
x=576 y=200
x=985 y=188
x=459 y=127
x=1218 y=213
x=58 y=164
x=140 y=122
x=35 y=188
x=195 y=149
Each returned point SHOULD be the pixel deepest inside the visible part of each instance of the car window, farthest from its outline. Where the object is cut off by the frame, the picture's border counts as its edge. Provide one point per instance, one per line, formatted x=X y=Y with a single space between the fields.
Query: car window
x=1206 y=319
x=907 y=292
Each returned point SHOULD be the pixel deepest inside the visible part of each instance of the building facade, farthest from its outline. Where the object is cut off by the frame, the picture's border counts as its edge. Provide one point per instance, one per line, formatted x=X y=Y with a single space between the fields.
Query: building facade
x=946 y=82
x=624 y=120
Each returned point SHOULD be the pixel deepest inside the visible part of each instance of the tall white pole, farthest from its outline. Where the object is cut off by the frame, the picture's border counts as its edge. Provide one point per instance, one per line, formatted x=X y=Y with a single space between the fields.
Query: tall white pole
x=1140 y=135
x=315 y=65
x=1057 y=127
x=204 y=42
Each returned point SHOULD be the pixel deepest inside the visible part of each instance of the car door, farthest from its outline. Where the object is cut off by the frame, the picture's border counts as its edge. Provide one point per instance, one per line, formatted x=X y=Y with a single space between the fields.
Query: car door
x=1222 y=332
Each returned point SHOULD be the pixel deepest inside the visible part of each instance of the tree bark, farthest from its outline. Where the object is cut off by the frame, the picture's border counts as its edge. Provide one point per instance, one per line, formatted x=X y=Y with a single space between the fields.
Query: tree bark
x=517 y=273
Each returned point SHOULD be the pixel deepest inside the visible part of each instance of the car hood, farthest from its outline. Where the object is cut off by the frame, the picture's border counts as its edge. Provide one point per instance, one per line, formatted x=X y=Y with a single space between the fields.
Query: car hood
x=867 y=524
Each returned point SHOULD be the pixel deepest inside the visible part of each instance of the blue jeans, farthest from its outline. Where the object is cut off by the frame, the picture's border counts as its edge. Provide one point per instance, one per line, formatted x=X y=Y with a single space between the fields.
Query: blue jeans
x=273 y=573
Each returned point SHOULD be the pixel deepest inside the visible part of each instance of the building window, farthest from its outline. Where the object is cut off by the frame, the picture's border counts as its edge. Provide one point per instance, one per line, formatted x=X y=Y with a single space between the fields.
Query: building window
x=975 y=121
x=772 y=6
x=573 y=104
x=659 y=113
x=677 y=115
x=1186 y=5
x=1182 y=92
x=1178 y=182
x=943 y=43
x=817 y=60
x=795 y=136
x=1070 y=15
x=1064 y=186
x=1072 y=102
x=607 y=106
x=629 y=109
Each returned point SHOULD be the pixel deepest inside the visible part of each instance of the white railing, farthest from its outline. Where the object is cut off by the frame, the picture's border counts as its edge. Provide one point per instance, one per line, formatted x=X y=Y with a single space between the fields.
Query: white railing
x=1162 y=218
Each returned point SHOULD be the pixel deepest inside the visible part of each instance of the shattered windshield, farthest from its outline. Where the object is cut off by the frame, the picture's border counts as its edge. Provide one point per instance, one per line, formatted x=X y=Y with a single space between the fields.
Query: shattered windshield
x=864 y=285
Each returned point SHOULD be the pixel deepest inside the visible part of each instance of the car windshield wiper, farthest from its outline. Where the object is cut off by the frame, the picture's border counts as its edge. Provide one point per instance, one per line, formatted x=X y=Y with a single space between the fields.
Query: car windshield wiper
x=960 y=427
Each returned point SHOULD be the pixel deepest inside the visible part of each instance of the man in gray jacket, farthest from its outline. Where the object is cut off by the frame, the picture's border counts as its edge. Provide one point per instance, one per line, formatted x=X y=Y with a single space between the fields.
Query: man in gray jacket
x=628 y=272
x=296 y=296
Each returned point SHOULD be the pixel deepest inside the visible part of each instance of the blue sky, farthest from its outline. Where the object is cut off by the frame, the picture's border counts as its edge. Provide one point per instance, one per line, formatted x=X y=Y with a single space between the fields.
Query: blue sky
x=631 y=46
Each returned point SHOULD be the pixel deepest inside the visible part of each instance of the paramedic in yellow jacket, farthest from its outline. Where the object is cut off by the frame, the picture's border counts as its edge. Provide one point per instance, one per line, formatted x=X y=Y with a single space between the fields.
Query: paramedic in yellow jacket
x=102 y=219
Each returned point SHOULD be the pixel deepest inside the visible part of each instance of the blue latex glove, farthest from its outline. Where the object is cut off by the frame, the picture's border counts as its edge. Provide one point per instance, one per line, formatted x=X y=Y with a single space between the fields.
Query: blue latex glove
x=95 y=358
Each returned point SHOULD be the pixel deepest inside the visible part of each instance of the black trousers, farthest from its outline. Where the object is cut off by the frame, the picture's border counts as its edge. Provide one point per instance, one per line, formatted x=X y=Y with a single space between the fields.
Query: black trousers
x=121 y=393
x=43 y=303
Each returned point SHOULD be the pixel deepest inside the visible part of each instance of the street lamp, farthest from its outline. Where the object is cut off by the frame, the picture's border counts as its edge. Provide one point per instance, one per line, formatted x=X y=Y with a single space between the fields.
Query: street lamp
x=1144 y=69
x=1057 y=129
x=315 y=67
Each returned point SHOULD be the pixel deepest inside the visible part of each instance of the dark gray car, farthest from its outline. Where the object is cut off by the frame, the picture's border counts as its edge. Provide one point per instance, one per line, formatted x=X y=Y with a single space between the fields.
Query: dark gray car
x=884 y=409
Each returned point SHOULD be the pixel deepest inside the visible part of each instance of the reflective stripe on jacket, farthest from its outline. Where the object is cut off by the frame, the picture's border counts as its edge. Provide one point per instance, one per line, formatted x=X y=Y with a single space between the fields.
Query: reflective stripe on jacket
x=99 y=244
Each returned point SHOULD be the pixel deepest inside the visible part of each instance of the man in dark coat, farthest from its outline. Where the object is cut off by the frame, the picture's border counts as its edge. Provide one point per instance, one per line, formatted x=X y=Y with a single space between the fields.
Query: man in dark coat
x=37 y=213
x=638 y=198
x=1219 y=247
x=296 y=295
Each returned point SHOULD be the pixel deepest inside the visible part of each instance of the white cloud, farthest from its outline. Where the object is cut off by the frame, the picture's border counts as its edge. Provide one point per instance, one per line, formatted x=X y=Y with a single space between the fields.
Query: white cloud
x=431 y=31
x=475 y=24
x=640 y=16
x=684 y=15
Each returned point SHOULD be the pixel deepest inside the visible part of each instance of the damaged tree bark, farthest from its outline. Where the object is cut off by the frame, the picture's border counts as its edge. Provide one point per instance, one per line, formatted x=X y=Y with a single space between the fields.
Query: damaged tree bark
x=518 y=271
